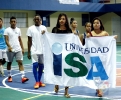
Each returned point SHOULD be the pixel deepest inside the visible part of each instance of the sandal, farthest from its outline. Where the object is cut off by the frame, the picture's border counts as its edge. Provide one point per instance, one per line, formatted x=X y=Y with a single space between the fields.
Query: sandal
x=66 y=92
x=56 y=88
x=67 y=95
x=99 y=93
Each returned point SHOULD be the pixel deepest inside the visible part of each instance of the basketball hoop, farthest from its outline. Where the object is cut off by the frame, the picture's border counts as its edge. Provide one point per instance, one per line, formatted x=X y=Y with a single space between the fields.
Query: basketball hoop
x=76 y=2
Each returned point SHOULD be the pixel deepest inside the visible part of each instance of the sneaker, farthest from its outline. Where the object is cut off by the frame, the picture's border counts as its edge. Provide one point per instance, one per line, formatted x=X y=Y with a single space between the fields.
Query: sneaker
x=36 y=86
x=24 y=79
x=41 y=84
x=9 y=79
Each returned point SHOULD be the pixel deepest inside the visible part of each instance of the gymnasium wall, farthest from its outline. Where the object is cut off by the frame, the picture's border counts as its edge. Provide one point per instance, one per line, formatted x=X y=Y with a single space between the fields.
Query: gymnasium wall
x=113 y=1
x=106 y=19
x=23 y=30
x=76 y=15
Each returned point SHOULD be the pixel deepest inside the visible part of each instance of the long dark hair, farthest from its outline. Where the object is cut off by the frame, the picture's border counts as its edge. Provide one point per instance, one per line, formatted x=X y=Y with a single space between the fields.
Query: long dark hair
x=66 y=23
x=101 y=27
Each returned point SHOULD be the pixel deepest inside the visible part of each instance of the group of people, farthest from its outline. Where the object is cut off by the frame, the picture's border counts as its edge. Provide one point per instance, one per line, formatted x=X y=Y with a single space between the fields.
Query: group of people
x=95 y=28
x=15 y=47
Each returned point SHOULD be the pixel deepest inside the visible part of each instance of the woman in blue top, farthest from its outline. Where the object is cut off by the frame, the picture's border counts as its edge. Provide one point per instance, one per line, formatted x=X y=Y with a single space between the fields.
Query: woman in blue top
x=3 y=55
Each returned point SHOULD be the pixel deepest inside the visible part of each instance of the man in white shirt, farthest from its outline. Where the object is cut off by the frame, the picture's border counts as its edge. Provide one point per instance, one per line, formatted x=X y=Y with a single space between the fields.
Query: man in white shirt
x=15 y=48
x=35 y=46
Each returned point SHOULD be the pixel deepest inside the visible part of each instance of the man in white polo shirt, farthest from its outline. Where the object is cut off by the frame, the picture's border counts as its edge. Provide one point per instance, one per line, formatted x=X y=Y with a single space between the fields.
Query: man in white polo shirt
x=35 y=46
x=15 y=48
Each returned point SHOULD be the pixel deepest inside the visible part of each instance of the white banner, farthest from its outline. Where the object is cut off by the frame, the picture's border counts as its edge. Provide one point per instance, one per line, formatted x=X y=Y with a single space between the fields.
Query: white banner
x=68 y=63
x=69 y=2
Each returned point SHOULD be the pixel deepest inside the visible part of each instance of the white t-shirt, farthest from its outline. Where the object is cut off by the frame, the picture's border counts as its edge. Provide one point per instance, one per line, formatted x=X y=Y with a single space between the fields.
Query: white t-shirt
x=35 y=32
x=13 y=39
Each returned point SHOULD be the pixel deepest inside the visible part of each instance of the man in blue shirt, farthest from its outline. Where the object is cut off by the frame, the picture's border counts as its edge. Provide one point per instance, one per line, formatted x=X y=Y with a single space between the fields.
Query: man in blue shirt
x=3 y=55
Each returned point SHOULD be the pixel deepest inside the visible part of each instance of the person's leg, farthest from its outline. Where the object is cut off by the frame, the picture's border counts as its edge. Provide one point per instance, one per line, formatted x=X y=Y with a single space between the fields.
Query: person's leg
x=9 y=71
x=2 y=61
x=21 y=68
x=35 y=70
x=19 y=58
x=56 y=88
x=1 y=67
x=40 y=69
x=10 y=56
x=9 y=68
x=99 y=92
x=66 y=92
x=4 y=57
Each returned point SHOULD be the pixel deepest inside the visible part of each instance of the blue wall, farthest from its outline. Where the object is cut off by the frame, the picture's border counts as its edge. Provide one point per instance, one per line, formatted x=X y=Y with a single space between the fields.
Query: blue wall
x=54 y=5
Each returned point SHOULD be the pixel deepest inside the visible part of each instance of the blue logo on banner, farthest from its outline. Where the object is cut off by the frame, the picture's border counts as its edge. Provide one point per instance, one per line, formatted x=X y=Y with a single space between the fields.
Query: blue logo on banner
x=57 y=58
x=100 y=69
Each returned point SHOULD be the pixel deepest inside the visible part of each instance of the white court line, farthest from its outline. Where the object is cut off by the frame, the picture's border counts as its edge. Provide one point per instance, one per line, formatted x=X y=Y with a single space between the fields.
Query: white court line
x=17 y=89
x=48 y=92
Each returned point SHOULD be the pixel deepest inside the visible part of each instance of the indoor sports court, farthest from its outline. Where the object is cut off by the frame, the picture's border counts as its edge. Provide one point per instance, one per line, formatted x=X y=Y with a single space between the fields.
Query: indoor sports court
x=83 y=11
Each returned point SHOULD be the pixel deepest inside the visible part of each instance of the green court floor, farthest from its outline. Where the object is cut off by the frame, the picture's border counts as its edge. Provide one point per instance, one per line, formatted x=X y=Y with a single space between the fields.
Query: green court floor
x=8 y=94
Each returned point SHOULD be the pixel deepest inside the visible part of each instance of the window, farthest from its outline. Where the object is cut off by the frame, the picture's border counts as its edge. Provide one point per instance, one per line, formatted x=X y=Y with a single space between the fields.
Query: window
x=46 y=21
x=85 y=18
x=21 y=18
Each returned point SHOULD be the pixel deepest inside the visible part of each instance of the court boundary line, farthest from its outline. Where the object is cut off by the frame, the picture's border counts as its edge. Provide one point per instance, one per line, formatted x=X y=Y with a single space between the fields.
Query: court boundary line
x=47 y=92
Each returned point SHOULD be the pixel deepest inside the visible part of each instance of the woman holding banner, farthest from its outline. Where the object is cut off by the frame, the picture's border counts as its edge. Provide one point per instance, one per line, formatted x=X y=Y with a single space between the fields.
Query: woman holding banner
x=98 y=31
x=62 y=27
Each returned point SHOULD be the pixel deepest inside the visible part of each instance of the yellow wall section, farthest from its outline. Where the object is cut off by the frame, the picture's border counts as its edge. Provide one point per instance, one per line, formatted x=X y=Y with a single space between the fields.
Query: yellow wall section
x=106 y=19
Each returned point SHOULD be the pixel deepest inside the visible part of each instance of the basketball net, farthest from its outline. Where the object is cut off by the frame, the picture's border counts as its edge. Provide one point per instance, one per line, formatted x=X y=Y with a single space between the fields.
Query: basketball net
x=76 y=2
